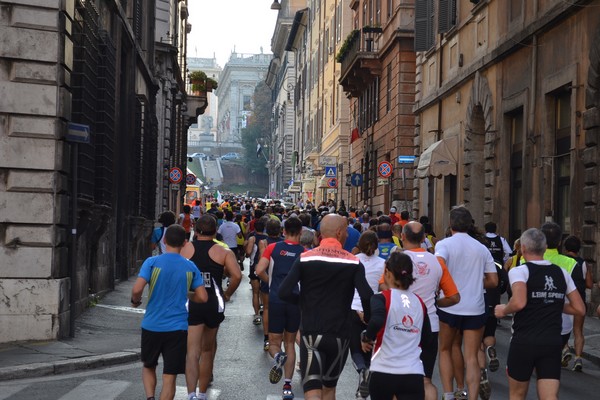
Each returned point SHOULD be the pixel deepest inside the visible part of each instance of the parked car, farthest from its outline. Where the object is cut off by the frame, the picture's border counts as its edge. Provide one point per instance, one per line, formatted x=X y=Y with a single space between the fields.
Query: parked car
x=197 y=155
x=230 y=156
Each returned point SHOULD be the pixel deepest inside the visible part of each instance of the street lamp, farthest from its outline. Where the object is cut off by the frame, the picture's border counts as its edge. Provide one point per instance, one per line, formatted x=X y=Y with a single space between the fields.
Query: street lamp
x=275 y=5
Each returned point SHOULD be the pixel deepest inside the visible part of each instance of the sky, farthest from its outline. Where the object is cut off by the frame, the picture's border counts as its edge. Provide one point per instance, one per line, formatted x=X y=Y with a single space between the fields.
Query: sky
x=219 y=26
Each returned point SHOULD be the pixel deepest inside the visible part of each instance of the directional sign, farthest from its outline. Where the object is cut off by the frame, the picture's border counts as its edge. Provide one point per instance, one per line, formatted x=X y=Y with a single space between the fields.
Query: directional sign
x=190 y=179
x=331 y=172
x=78 y=133
x=385 y=169
x=332 y=182
x=175 y=175
x=406 y=159
x=357 y=179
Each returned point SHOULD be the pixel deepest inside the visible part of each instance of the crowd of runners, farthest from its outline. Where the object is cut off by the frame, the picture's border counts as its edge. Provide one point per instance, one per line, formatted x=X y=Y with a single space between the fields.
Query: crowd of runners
x=329 y=282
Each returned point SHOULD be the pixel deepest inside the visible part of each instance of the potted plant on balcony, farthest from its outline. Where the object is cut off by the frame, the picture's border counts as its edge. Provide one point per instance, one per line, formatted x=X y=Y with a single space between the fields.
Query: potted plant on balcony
x=345 y=47
x=201 y=83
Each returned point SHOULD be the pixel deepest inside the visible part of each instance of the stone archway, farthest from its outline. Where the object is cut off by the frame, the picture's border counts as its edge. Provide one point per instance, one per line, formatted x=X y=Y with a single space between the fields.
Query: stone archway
x=479 y=152
x=591 y=159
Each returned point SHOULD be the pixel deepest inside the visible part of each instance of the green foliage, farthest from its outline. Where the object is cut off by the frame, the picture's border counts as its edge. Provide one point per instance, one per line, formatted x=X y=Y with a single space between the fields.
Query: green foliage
x=201 y=83
x=352 y=36
x=197 y=76
x=258 y=130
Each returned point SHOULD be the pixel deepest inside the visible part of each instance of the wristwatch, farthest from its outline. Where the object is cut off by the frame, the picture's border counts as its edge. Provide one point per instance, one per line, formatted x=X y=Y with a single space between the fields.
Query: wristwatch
x=364 y=338
x=136 y=303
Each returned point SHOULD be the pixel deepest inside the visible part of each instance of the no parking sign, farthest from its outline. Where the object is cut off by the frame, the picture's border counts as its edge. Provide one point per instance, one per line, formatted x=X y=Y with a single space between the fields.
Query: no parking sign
x=175 y=175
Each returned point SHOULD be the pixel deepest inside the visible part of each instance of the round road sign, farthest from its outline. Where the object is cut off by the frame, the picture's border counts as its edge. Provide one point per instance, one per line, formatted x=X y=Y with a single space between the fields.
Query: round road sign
x=385 y=169
x=175 y=175
x=332 y=182
x=190 y=179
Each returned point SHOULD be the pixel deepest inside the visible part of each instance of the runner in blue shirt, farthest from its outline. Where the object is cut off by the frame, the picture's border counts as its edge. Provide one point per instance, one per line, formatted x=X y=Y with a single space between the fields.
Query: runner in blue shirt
x=164 y=328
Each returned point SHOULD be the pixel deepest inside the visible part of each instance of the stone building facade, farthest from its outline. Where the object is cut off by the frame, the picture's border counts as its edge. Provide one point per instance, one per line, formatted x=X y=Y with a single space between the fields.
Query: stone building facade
x=378 y=73
x=89 y=63
x=322 y=124
x=507 y=102
x=240 y=76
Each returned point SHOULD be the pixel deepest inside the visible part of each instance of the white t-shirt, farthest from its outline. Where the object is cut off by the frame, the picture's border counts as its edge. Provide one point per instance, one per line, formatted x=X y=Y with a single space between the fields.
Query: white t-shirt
x=196 y=212
x=521 y=274
x=229 y=231
x=374 y=267
x=427 y=272
x=467 y=261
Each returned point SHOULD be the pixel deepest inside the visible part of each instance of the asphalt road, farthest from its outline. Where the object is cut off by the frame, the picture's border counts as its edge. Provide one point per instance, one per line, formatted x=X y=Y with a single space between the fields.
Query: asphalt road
x=241 y=371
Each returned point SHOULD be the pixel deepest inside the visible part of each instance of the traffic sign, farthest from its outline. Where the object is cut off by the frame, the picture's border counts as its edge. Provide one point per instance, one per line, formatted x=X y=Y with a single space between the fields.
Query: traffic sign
x=78 y=133
x=406 y=159
x=190 y=179
x=331 y=172
x=332 y=182
x=175 y=175
x=383 y=181
x=357 y=179
x=385 y=169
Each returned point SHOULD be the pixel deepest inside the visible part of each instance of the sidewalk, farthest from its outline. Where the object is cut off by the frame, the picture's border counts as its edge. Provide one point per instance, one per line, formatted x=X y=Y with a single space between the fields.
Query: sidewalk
x=106 y=334
x=109 y=334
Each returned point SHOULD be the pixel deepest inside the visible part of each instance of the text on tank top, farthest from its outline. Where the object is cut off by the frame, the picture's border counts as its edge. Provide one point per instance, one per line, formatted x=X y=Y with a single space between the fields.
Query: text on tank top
x=212 y=272
x=496 y=249
x=540 y=322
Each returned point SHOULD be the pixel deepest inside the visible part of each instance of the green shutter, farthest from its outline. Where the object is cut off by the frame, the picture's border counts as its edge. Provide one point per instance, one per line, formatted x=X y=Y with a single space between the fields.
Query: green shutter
x=422 y=25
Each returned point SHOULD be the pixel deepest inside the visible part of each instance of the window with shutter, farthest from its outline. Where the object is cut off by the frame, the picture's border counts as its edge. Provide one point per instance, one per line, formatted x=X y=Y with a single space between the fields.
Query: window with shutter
x=446 y=15
x=424 y=12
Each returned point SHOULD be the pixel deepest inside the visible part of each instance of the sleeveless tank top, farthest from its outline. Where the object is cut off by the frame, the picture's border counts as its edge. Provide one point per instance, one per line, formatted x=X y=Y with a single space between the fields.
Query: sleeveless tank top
x=211 y=271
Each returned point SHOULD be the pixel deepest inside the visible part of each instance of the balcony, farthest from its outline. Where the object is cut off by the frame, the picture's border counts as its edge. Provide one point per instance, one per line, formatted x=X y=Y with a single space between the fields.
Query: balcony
x=359 y=59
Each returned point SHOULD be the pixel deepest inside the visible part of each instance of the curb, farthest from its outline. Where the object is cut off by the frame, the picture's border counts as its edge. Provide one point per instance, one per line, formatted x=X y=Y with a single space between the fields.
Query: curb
x=37 y=370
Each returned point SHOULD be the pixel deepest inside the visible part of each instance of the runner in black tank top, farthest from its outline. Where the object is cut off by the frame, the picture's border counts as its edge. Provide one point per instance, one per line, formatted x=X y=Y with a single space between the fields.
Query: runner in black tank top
x=210 y=312
x=213 y=260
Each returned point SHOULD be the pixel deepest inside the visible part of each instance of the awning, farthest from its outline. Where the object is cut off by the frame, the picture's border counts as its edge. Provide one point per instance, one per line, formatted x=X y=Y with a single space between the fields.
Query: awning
x=323 y=182
x=439 y=159
x=308 y=186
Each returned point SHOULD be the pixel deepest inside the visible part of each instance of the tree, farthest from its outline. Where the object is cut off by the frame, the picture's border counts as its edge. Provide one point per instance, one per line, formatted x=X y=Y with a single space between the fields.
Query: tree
x=257 y=130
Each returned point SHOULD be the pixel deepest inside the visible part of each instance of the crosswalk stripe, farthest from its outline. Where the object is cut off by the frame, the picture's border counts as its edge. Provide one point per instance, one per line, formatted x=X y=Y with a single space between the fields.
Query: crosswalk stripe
x=109 y=389
x=7 y=391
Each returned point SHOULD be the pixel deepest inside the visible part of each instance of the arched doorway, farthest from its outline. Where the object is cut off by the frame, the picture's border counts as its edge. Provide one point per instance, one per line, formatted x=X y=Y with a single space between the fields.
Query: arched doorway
x=478 y=161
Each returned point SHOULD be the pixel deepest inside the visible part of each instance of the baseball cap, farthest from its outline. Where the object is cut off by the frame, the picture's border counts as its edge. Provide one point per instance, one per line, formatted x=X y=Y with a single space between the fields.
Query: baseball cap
x=393 y=209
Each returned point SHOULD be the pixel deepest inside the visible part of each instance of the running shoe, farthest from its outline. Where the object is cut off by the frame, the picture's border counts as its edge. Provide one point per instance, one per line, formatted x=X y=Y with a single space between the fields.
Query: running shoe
x=266 y=345
x=363 y=385
x=578 y=365
x=493 y=363
x=567 y=355
x=287 y=392
x=257 y=320
x=276 y=371
x=485 y=387
x=358 y=396
x=461 y=394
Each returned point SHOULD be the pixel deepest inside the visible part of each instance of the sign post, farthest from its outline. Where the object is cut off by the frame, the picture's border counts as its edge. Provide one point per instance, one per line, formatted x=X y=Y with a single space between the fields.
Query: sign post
x=76 y=133
x=403 y=160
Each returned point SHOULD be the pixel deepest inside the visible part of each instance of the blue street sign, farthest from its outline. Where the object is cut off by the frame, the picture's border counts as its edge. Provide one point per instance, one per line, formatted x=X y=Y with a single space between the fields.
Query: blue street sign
x=406 y=159
x=78 y=133
x=331 y=172
x=356 y=179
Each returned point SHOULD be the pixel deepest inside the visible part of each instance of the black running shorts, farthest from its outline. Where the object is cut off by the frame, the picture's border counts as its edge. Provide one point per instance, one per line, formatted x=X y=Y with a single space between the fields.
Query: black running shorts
x=283 y=317
x=209 y=313
x=172 y=346
x=524 y=358
x=322 y=359
x=429 y=354
x=406 y=387
x=462 y=322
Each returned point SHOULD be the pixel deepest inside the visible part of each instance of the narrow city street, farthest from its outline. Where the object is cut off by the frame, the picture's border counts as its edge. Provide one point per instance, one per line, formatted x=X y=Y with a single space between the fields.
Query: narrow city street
x=241 y=371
